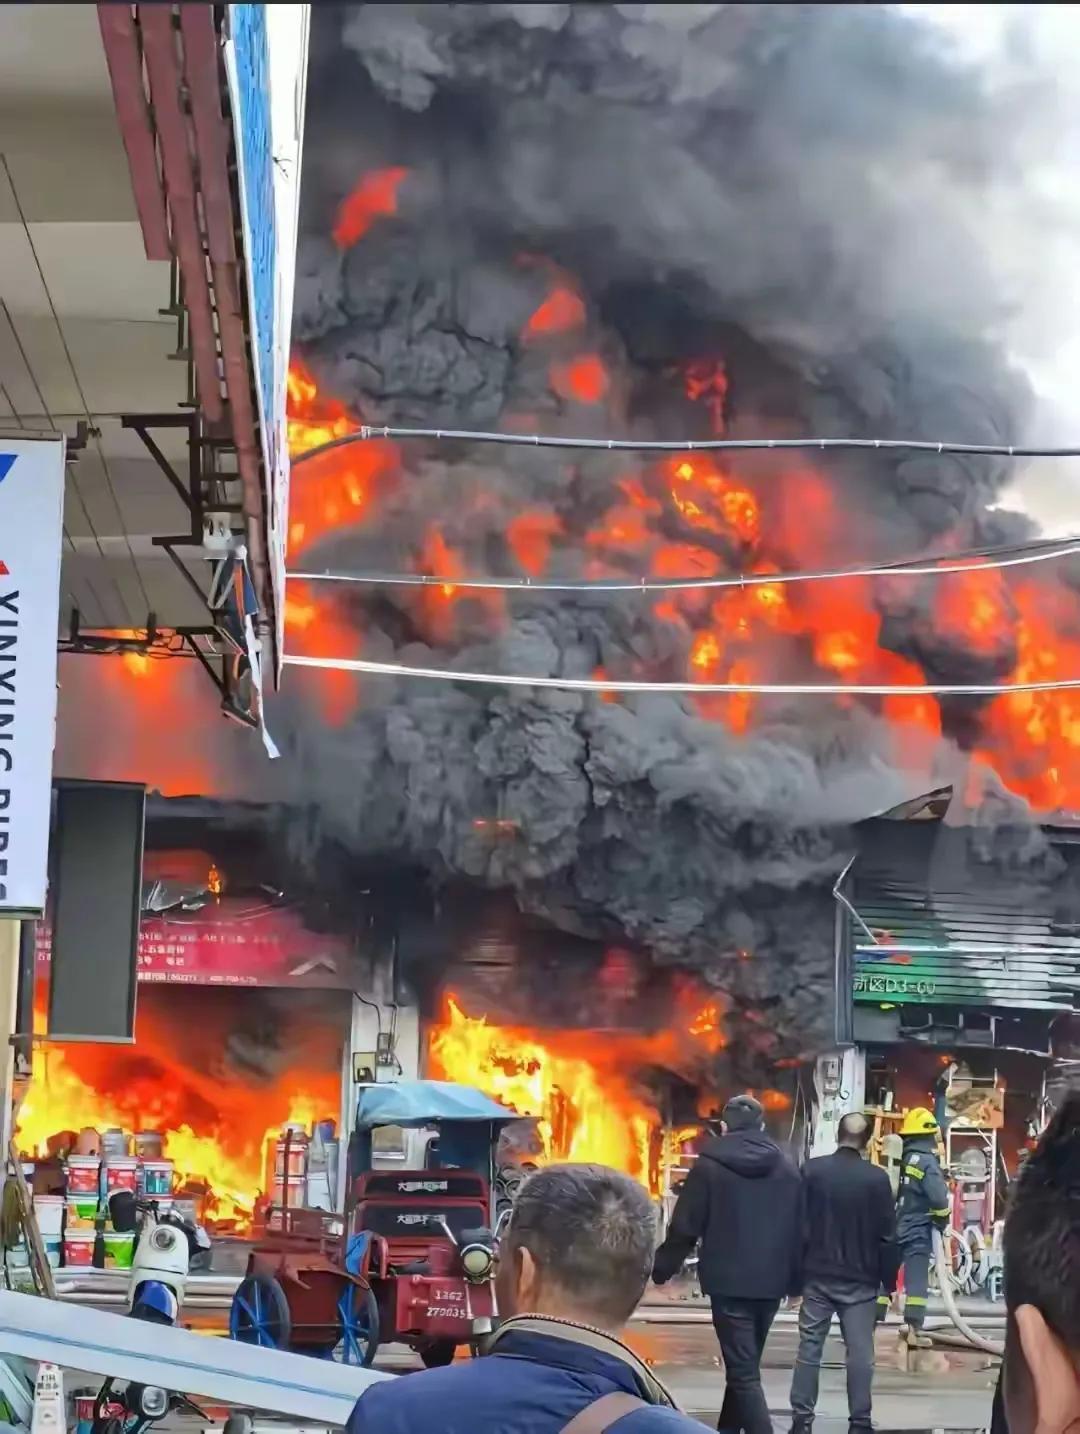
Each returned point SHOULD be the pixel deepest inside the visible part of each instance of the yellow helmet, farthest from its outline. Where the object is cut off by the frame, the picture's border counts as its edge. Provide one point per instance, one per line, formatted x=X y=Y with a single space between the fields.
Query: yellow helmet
x=919 y=1121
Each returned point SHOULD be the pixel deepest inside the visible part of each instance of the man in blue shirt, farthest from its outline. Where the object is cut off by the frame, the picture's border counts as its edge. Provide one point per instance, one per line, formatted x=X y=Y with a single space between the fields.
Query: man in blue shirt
x=573 y=1264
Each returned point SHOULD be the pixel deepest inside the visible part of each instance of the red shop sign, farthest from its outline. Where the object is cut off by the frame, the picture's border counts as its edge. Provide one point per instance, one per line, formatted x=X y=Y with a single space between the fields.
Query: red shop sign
x=228 y=945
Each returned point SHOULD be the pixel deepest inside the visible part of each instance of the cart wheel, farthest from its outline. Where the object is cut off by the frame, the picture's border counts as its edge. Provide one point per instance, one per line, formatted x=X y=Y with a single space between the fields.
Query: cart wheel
x=358 y=1320
x=438 y=1354
x=260 y=1313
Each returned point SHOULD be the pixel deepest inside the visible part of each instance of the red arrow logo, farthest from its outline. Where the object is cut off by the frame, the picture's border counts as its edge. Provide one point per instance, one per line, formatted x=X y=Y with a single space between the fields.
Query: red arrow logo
x=4 y=569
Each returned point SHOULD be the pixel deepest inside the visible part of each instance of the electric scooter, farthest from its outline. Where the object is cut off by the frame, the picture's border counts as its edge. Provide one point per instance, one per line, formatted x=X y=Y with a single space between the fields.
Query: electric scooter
x=167 y=1247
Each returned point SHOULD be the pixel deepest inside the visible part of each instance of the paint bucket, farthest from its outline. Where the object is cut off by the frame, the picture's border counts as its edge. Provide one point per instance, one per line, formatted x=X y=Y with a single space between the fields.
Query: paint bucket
x=149 y=1145
x=83 y=1174
x=79 y=1249
x=82 y=1212
x=88 y=1142
x=53 y=1247
x=291 y=1150
x=84 y=1413
x=49 y=1214
x=18 y=1257
x=119 y=1249
x=157 y=1177
x=122 y=1173
x=115 y=1144
x=289 y=1192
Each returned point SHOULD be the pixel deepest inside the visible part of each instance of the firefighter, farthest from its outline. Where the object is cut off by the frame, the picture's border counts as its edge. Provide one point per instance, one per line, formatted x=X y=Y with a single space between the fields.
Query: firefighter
x=922 y=1206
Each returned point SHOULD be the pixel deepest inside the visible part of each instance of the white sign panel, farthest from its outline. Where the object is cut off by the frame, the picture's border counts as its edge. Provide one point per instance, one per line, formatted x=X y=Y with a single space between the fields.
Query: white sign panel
x=31 y=532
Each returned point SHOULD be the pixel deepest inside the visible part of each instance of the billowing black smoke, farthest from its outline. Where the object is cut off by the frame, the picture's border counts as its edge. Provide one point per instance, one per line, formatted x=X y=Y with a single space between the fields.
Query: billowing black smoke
x=793 y=190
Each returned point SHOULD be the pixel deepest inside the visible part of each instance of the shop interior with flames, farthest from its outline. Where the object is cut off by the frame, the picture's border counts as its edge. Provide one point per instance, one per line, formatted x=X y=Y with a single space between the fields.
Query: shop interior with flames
x=264 y=1004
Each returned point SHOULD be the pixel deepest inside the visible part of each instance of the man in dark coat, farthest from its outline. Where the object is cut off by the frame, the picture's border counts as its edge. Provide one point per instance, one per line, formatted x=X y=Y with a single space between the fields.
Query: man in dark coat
x=850 y=1262
x=573 y=1264
x=743 y=1201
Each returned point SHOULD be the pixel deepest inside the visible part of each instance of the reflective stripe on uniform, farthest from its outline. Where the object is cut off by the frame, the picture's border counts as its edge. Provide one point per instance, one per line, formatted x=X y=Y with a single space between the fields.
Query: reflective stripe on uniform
x=941 y=1212
x=883 y=1299
x=915 y=1300
x=914 y=1172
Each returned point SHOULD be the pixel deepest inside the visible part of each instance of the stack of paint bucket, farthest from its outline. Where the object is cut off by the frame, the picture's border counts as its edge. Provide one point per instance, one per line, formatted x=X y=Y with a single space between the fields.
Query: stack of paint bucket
x=83 y=1188
x=120 y=1172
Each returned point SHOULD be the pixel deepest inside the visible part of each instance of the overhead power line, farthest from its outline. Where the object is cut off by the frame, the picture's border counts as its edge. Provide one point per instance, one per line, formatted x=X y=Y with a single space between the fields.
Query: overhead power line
x=732 y=689
x=975 y=561
x=688 y=445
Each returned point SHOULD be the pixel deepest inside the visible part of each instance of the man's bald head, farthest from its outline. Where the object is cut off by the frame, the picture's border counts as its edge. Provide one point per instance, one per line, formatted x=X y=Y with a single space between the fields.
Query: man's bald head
x=854 y=1131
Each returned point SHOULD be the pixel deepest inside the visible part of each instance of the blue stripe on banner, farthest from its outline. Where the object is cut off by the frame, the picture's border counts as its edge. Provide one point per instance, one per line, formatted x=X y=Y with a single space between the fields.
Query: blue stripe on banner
x=6 y=460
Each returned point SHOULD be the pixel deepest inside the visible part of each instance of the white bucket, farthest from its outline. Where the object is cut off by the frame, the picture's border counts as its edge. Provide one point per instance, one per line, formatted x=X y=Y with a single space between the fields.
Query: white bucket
x=49 y=1213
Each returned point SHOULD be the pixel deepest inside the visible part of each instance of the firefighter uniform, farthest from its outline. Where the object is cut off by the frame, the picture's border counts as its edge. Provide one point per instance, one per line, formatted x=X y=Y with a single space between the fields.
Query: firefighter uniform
x=922 y=1206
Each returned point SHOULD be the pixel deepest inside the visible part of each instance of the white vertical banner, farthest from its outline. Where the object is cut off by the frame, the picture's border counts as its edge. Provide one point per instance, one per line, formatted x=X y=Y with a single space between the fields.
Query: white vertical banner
x=31 y=535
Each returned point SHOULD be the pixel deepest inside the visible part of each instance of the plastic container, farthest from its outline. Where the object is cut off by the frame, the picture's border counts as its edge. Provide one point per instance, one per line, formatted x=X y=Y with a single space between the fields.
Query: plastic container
x=149 y=1145
x=82 y=1211
x=291 y=1150
x=122 y=1173
x=53 y=1248
x=49 y=1214
x=119 y=1249
x=291 y=1192
x=157 y=1178
x=79 y=1249
x=83 y=1174
x=115 y=1144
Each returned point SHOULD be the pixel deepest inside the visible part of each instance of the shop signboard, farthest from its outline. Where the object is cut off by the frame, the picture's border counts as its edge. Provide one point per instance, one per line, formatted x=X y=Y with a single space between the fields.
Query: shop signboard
x=216 y=948
x=266 y=64
x=31 y=533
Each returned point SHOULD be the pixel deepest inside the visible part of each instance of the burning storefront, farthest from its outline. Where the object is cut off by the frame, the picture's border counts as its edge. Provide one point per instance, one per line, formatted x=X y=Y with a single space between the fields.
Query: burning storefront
x=963 y=951
x=243 y=1027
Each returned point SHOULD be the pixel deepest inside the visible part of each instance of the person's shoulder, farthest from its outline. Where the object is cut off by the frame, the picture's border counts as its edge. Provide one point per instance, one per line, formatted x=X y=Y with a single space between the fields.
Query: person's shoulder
x=422 y=1389
x=653 y=1419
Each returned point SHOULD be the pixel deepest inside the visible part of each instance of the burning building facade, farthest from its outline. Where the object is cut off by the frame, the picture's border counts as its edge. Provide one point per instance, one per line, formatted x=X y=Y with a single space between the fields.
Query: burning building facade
x=650 y=222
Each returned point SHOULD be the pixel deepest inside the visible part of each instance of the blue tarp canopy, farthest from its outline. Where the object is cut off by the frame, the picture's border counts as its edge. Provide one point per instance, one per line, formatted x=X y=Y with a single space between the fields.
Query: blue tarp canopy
x=426 y=1102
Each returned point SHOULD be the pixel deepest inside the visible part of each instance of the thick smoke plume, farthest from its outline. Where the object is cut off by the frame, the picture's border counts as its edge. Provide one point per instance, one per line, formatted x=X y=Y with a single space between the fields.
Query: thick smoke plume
x=650 y=220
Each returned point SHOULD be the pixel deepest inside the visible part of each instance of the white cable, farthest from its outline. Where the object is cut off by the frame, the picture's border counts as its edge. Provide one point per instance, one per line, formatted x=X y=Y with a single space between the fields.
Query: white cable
x=742 y=580
x=604 y=684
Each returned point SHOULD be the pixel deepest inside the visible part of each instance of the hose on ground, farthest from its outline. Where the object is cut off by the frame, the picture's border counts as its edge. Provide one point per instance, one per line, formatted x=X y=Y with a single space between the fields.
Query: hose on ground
x=989 y=1346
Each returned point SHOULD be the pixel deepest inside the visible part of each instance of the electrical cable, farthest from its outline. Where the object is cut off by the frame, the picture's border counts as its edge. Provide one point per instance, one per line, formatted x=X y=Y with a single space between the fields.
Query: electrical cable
x=760 y=689
x=687 y=445
x=928 y=567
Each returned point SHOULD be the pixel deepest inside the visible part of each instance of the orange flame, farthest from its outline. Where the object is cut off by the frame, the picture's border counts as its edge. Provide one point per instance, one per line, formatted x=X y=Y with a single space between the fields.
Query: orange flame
x=530 y=535
x=560 y=312
x=583 y=379
x=216 y=1135
x=580 y=1090
x=375 y=196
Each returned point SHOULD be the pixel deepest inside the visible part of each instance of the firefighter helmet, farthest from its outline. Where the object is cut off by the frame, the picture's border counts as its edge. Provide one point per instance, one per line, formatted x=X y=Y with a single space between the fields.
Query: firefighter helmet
x=919 y=1121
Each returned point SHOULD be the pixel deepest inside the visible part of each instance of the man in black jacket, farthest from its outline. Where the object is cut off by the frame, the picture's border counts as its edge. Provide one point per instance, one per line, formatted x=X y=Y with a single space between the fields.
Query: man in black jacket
x=743 y=1201
x=850 y=1262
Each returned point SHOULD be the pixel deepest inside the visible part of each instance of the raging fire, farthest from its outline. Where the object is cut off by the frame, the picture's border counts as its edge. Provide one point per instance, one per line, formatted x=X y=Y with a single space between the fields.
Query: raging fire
x=581 y=1091
x=217 y=1133
x=689 y=516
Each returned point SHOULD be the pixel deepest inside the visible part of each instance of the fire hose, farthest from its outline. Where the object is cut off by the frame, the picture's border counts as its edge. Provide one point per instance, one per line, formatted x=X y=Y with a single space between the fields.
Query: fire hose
x=988 y=1346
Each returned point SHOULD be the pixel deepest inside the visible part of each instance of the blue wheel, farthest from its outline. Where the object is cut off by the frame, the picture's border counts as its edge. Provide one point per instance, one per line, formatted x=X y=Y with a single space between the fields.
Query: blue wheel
x=358 y=1323
x=259 y=1313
